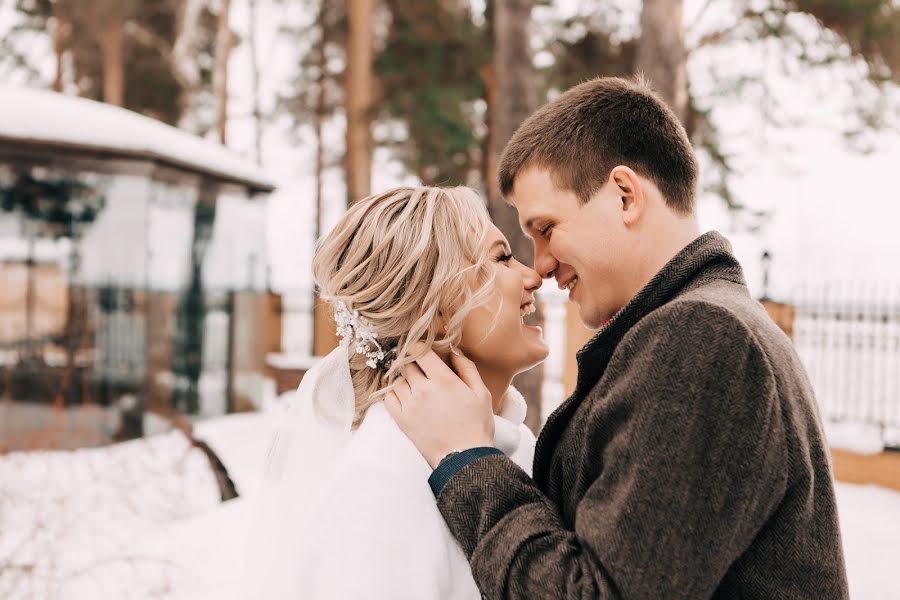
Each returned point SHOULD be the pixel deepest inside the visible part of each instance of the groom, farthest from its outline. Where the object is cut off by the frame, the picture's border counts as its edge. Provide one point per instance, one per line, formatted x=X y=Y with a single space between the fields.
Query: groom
x=689 y=462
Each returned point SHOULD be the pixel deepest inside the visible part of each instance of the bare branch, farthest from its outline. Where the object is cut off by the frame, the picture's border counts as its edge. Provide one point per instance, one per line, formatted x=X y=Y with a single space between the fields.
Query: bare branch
x=147 y=38
x=713 y=37
x=183 y=53
x=690 y=28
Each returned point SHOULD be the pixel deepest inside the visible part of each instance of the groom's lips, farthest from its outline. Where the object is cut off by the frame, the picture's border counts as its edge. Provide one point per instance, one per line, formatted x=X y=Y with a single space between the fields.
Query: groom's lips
x=568 y=285
x=564 y=283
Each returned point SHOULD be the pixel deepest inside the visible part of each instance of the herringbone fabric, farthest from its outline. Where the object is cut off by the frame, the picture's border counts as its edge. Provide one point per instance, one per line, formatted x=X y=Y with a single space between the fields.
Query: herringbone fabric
x=688 y=463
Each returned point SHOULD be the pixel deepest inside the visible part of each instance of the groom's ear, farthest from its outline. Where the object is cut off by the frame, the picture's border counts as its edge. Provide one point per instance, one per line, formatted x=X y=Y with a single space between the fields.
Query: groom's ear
x=631 y=197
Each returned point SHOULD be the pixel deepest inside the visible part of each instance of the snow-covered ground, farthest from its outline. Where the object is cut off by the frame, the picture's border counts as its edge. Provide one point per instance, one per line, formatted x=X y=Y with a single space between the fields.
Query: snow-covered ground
x=142 y=520
x=870 y=526
x=80 y=524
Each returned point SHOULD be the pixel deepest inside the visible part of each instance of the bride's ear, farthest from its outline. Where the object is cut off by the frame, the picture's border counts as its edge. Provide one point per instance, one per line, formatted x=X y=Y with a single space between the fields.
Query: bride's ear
x=441 y=328
x=441 y=325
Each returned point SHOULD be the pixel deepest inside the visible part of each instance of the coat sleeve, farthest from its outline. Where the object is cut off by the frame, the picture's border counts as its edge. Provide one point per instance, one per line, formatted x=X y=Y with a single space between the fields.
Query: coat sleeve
x=690 y=462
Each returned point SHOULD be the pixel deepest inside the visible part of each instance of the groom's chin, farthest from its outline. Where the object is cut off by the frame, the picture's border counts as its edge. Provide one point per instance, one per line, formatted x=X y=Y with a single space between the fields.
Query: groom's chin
x=593 y=317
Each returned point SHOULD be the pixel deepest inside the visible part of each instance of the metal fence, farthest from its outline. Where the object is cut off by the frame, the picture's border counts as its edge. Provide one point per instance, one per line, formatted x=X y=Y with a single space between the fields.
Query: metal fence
x=110 y=352
x=848 y=337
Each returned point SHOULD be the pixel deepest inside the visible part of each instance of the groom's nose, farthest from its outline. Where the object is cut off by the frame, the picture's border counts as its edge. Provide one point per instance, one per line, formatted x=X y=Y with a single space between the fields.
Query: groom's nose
x=544 y=262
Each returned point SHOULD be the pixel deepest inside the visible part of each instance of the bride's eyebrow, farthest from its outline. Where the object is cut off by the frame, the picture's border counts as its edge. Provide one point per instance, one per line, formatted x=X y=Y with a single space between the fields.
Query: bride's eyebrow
x=502 y=245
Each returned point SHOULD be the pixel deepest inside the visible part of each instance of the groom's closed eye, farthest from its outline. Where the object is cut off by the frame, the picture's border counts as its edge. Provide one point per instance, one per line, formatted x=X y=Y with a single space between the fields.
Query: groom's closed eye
x=543 y=229
x=537 y=227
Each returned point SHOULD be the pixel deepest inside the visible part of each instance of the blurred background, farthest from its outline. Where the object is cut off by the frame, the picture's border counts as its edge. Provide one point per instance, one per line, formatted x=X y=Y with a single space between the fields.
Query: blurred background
x=166 y=166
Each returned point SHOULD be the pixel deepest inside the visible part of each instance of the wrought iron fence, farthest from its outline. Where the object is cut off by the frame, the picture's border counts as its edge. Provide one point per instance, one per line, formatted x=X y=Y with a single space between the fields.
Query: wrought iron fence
x=848 y=337
x=116 y=351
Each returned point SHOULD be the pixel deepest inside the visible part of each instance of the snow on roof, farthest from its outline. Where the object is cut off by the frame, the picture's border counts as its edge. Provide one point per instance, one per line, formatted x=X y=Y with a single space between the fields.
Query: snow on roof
x=38 y=116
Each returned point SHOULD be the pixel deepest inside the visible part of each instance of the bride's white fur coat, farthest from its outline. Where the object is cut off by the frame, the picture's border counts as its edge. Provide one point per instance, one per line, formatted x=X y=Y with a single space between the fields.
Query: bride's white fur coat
x=377 y=533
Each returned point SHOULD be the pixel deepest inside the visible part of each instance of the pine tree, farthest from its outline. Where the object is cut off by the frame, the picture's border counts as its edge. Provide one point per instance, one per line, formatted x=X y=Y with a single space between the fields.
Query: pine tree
x=167 y=45
x=429 y=82
x=512 y=96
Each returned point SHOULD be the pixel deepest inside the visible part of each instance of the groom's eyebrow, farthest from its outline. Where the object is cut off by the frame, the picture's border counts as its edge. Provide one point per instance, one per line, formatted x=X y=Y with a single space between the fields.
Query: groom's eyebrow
x=529 y=227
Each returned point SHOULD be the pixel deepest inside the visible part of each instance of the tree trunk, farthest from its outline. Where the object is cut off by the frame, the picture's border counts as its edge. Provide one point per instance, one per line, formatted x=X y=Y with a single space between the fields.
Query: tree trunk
x=254 y=83
x=321 y=320
x=512 y=96
x=74 y=328
x=220 y=75
x=661 y=53
x=183 y=60
x=30 y=294
x=319 y=116
x=359 y=90
x=61 y=29
x=113 y=57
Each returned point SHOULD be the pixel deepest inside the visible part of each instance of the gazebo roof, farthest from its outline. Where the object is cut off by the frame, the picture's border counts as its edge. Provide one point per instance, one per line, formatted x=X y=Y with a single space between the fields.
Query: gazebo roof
x=48 y=119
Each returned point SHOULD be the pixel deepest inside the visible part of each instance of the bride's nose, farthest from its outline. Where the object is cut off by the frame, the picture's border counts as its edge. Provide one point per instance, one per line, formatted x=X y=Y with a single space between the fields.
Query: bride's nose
x=530 y=278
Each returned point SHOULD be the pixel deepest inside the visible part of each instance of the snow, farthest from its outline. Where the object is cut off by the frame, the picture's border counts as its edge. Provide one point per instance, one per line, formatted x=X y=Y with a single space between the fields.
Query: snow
x=133 y=520
x=74 y=521
x=870 y=528
x=855 y=437
x=241 y=441
x=142 y=519
x=136 y=499
x=30 y=115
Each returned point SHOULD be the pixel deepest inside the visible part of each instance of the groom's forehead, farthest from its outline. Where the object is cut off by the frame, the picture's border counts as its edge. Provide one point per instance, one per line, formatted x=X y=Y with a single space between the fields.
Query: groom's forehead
x=536 y=184
x=532 y=208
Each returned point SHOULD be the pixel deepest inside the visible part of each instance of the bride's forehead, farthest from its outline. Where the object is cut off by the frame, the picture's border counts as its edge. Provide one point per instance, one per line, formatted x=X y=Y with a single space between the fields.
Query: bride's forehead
x=494 y=235
x=476 y=230
x=483 y=236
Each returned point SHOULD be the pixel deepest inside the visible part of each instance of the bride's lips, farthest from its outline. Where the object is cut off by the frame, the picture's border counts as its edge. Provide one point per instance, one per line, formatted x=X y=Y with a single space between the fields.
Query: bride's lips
x=527 y=312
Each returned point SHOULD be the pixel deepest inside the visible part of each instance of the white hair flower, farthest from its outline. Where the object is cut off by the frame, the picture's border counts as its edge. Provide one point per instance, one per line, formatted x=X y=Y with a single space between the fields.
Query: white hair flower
x=352 y=327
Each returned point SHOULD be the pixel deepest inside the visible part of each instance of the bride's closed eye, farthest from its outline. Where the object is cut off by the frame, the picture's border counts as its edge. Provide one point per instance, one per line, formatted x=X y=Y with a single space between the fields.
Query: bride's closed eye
x=505 y=258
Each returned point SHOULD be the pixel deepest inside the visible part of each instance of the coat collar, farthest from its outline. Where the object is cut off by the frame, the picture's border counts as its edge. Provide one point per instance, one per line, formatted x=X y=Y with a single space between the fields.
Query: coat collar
x=707 y=258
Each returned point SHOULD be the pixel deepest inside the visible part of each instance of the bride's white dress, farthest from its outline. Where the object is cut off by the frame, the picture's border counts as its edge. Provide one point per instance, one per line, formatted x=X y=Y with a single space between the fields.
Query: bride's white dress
x=370 y=527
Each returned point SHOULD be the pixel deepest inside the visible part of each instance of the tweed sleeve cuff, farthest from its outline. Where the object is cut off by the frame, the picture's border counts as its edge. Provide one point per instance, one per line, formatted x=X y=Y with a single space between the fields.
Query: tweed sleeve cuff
x=451 y=465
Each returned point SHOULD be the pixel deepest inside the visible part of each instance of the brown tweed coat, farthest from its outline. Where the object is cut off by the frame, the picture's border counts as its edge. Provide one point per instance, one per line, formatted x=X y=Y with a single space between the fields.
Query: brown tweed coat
x=688 y=463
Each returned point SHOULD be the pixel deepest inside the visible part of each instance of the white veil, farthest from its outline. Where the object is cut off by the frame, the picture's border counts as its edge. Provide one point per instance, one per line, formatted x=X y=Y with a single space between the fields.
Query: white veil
x=316 y=428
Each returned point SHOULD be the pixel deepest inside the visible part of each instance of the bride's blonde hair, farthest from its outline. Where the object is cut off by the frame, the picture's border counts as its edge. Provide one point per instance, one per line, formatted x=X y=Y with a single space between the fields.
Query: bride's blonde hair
x=413 y=261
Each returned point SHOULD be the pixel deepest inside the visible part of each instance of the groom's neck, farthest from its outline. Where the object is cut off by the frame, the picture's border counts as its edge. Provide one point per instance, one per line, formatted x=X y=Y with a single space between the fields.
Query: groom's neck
x=663 y=234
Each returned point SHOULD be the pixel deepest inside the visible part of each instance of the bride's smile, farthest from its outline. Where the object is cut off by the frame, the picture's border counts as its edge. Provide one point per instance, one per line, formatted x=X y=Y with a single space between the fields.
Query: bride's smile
x=496 y=336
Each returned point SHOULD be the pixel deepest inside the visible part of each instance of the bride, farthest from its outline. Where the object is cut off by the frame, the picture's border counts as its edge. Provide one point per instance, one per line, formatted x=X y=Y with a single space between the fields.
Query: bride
x=345 y=510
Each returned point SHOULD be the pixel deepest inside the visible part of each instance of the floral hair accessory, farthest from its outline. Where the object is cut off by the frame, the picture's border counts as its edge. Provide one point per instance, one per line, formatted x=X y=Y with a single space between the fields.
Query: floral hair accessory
x=352 y=327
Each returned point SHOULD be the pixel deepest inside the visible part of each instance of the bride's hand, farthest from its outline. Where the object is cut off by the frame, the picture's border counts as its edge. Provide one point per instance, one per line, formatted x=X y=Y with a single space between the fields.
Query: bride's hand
x=440 y=410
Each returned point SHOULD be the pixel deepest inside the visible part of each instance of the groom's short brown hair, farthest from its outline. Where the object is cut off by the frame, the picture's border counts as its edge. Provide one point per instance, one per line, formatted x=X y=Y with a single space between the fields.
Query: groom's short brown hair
x=595 y=126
